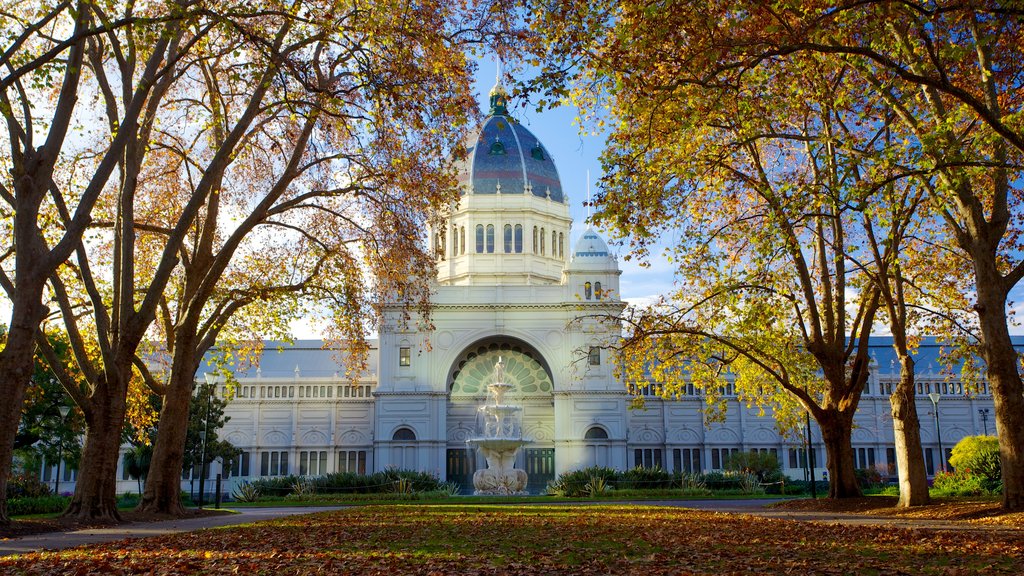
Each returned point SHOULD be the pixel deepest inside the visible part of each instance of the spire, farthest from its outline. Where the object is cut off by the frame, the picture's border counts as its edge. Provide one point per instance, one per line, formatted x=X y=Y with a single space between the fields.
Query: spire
x=498 y=95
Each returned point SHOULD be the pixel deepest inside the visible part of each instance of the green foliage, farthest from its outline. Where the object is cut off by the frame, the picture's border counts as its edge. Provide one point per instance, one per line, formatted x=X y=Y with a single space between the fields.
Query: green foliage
x=749 y=484
x=340 y=483
x=26 y=485
x=206 y=414
x=36 y=505
x=979 y=456
x=451 y=489
x=402 y=486
x=764 y=465
x=868 y=478
x=959 y=483
x=597 y=486
x=573 y=484
x=127 y=500
x=246 y=492
x=693 y=485
x=644 y=478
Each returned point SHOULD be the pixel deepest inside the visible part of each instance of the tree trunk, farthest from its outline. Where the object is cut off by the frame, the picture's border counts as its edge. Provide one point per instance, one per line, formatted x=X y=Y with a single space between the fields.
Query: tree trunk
x=1005 y=383
x=16 y=366
x=836 y=433
x=906 y=426
x=96 y=491
x=163 y=486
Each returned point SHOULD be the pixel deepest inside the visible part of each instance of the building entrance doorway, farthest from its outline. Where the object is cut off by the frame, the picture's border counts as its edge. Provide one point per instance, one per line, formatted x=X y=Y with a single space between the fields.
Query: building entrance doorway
x=540 y=467
x=460 y=468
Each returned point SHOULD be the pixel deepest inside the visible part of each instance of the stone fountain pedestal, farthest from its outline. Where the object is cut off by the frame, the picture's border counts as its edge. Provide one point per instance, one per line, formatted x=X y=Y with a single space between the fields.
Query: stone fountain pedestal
x=501 y=477
x=501 y=440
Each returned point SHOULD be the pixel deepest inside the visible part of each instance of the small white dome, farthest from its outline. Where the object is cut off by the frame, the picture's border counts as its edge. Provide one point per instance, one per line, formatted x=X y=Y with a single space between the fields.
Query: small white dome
x=591 y=253
x=590 y=245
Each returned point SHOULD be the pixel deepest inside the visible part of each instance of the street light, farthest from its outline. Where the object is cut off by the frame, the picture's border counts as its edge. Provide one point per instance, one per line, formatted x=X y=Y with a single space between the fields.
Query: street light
x=983 y=412
x=211 y=381
x=935 y=396
x=60 y=447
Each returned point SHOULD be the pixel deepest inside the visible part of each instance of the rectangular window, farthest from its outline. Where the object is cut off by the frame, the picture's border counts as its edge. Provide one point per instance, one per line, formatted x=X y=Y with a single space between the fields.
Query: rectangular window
x=350 y=461
x=240 y=465
x=929 y=461
x=274 y=464
x=594 y=357
x=716 y=459
x=404 y=356
x=890 y=461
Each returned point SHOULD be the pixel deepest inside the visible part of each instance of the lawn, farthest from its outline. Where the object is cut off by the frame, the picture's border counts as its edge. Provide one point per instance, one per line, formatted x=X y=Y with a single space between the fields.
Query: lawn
x=489 y=539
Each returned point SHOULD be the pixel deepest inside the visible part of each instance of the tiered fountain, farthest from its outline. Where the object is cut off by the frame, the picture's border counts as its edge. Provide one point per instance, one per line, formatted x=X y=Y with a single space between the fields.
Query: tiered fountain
x=501 y=440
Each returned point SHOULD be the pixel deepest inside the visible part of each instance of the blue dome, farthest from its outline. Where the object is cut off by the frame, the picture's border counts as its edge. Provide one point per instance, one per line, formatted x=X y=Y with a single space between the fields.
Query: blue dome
x=506 y=158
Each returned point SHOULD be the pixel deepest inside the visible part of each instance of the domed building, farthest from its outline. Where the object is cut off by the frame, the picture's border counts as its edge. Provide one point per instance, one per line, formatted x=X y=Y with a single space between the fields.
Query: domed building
x=509 y=286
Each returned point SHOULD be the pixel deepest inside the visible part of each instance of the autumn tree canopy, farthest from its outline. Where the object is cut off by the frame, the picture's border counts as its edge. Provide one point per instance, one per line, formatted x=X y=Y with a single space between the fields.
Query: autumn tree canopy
x=740 y=123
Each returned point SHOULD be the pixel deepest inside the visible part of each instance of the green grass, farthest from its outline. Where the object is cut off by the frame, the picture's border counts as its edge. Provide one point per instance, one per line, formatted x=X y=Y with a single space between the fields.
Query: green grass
x=539 y=539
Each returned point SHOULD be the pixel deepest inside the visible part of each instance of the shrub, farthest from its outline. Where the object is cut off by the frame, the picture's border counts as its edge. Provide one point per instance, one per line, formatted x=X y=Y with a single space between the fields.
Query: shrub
x=26 y=485
x=979 y=456
x=403 y=486
x=764 y=465
x=959 y=483
x=644 y=478
x=573 y=484
x=303 y=488
x=36 y=505
x=693 y=485
x=246 y=492
x=868 y=478
x=128 y=500
x=749 y=484
x=597 y=486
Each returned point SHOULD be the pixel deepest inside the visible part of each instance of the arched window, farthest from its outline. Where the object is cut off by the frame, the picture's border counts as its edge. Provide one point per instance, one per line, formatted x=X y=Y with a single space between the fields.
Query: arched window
x=554 y=243
x=596 y=433
x=535 y=248
x=455 y=241
x=561 y=245
x=490 y=238
x=508 y=238
x=479 y=238
x=462 y=239
x=587 y=291
x=519 y=238
x=404 y=435
x=542 y=235
x=597 y=290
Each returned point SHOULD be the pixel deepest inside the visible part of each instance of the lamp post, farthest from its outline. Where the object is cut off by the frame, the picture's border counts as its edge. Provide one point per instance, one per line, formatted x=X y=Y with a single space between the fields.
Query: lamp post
x=60 y=447
x=983 y=412
x=935 y=396
x=211 y=381
x=810 y=455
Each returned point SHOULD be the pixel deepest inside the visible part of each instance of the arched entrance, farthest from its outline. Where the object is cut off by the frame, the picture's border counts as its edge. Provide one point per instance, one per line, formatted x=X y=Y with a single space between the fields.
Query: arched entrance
x=528 y=371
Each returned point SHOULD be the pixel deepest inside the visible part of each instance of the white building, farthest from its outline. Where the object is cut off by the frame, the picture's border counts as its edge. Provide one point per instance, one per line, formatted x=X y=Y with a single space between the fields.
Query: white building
x=509 y=285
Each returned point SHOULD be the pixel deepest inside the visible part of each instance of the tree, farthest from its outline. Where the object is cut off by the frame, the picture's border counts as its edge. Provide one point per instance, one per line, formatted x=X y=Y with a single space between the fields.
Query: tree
x=950 y=73
x=317 y=159
x=308 y=237
x=44 y=75
x=946 y=76
x=136 y=462
x=762 y=205
x=202 y=446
